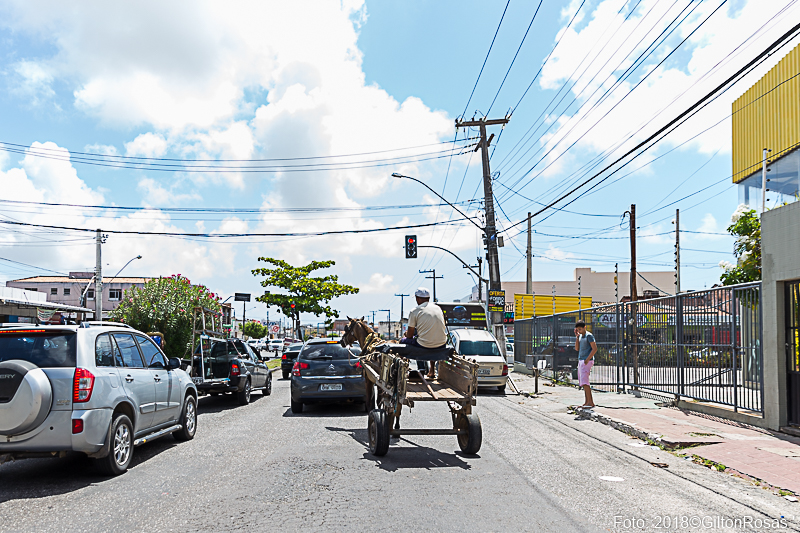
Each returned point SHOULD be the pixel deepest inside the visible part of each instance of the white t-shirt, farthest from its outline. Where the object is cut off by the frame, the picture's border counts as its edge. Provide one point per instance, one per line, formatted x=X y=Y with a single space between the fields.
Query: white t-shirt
x=427 y=319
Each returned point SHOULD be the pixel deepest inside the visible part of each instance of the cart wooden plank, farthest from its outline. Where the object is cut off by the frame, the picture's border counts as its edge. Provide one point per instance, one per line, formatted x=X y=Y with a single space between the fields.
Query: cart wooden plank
x=417 y=392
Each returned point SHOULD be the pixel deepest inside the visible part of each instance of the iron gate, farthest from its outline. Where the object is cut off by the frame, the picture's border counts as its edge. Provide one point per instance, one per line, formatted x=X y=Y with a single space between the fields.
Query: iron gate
x=704 y=345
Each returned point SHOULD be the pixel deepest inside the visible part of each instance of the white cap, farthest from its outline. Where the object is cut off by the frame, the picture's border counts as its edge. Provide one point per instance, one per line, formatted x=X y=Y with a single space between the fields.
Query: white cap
x=422 y=292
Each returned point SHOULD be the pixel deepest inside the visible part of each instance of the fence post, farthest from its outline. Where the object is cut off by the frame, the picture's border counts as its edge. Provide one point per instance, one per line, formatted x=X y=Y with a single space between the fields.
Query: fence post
x=733 y=352
x=679 y=363
x=760 y=288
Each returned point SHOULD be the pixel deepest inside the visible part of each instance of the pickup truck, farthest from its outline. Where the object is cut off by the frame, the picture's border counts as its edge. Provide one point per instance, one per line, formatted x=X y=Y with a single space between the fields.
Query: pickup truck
x=230 y=366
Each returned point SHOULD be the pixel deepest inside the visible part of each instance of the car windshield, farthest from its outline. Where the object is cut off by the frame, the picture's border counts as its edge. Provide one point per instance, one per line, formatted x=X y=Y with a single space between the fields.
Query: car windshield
x=327 y=351
x=478 y=348
x=42 y=348
x=294 y=348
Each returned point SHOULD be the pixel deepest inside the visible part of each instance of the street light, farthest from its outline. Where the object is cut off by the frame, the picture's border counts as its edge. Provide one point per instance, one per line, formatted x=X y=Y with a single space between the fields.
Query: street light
x=100 y=296
x=226 y=299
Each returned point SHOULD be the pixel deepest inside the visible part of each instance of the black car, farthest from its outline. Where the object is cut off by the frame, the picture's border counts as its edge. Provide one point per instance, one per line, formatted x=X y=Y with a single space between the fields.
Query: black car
x=231 y=366
x=288 y=358
x=324 y=371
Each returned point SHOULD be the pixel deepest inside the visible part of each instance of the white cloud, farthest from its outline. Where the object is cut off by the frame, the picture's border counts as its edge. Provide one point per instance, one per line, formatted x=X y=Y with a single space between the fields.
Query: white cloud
x=557 y=254
x=33 y=81
x=379 y=284
x=103 y=149
x=709 y=230
x=146 y=145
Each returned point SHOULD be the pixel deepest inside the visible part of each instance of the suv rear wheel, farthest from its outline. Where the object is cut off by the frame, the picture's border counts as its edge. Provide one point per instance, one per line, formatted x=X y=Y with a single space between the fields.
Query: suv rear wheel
x=120 y=453
x=244 y=394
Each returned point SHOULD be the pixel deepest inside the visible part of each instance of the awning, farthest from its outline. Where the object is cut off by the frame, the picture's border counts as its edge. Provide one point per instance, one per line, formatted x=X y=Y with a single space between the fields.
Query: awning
x=44 y=305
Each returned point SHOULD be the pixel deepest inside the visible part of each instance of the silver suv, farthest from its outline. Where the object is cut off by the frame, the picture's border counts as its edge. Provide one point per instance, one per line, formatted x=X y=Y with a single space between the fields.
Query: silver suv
x=100 y=390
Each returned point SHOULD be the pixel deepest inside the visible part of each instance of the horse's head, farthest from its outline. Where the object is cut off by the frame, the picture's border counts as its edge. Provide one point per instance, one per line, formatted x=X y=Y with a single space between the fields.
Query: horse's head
x=355 y=331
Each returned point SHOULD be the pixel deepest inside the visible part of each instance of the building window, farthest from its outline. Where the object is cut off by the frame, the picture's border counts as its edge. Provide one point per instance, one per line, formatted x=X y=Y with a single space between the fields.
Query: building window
x=33 y=289
x=114 y=294
x=66 y=292
x=54 y=291
x=90 y=294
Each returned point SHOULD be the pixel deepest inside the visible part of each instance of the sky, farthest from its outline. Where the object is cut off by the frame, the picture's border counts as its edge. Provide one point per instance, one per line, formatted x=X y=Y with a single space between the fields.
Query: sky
x=290 y=117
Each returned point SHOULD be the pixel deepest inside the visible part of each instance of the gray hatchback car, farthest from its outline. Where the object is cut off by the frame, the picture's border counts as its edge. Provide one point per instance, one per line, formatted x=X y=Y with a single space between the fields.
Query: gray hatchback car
x=95 y=389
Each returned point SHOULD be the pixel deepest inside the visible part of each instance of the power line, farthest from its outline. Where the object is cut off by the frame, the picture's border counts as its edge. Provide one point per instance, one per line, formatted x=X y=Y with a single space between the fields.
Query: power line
x=228 y=235
x=486 y=58
x=682 y=117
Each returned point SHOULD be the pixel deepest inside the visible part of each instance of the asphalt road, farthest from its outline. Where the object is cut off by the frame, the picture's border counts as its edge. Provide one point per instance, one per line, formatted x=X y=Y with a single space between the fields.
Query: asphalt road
x=260 y=467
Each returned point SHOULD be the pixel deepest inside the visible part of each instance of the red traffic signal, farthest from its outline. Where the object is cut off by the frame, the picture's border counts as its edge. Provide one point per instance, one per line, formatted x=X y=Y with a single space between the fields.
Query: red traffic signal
x=411 y=246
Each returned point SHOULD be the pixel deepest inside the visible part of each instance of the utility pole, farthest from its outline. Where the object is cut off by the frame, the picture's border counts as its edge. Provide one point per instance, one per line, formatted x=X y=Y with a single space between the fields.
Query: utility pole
x=529 y=277
x=677 y=251
x=98 y=280
x=402 y=299
x=389 y=329
x=580 y=306
x=634 y=316
x=373 y=318
x=434 y=277
x=490 y=231
x=480 y=273
x=764 y=180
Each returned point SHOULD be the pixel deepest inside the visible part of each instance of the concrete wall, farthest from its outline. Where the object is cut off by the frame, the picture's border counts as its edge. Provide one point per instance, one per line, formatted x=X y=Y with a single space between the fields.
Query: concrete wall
x=780 y=262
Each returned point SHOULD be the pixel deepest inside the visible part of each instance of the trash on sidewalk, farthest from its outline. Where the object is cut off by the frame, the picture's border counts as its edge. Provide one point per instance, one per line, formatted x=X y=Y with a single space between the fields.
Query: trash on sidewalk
x=660 y=465
x=611 y=478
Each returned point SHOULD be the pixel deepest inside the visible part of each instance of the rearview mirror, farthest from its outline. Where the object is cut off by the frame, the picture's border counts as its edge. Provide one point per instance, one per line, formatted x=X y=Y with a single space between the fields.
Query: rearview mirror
x=173 y=363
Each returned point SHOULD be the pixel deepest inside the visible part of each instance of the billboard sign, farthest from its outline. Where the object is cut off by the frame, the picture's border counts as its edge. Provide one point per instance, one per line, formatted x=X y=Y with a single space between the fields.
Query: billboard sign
x=463 y=314
x=241 y=297
x=497 y=301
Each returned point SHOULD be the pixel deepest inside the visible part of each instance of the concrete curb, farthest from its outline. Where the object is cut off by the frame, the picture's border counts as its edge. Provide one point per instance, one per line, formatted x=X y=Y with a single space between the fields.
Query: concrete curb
x=622 y=426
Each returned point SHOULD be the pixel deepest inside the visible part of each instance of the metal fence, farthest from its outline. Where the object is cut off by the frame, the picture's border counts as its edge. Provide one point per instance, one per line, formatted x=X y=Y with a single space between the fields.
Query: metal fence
x=704 y=345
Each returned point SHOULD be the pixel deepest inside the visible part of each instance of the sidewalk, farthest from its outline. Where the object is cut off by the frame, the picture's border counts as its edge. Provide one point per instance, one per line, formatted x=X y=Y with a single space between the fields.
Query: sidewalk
x=768 y=456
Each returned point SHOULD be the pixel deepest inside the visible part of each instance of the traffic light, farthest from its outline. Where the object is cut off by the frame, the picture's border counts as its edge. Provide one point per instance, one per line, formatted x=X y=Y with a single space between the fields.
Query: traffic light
x=291 y=306
x=411 y=246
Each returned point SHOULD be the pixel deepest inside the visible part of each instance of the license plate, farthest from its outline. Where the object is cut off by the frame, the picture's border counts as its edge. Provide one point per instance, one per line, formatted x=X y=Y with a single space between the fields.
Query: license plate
x=484 y=371
x=330 y=386
x=197 y=380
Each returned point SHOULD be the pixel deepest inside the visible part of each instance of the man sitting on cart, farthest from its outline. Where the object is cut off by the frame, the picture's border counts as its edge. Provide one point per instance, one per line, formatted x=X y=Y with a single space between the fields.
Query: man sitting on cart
x=426 y=327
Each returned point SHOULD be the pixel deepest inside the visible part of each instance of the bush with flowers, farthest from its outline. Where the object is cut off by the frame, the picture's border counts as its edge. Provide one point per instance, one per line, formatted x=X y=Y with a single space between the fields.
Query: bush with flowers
x=166 y=305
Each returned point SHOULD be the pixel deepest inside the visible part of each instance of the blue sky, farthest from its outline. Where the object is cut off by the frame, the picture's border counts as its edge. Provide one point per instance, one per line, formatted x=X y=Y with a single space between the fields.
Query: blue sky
x=284 y=80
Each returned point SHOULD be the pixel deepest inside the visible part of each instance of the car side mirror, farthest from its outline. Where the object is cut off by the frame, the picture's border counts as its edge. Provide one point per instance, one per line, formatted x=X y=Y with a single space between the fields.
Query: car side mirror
x=173 y=363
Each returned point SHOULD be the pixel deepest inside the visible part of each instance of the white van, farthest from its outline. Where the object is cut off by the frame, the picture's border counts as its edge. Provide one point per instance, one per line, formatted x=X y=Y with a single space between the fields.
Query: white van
x=482 y=346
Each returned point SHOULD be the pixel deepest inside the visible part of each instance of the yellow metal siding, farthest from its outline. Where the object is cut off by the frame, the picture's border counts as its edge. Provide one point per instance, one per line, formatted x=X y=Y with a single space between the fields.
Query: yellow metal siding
x=524 y=305
x=767 y=115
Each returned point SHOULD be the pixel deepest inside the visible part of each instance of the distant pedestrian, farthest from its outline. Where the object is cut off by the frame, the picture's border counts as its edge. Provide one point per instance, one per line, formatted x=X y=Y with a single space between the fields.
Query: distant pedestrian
x=586 y=348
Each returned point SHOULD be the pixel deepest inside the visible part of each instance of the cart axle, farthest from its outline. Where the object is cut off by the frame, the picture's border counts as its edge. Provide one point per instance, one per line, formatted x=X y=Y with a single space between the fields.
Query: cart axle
x=398 y=432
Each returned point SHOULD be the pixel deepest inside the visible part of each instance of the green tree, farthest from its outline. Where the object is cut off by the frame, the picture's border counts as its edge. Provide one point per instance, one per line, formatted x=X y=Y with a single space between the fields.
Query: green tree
x=302 y=293
x=166 y=305
x=254 y=330
x=746 y=227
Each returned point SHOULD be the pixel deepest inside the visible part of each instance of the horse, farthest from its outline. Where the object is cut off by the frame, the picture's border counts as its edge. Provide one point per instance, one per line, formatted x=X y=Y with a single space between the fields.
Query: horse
x=357 y=330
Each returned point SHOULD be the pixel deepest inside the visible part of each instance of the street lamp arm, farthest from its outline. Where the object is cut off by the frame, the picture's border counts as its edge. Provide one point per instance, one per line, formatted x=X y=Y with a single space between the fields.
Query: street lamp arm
x=483 y=280
x=396 y=175
x=123 y=268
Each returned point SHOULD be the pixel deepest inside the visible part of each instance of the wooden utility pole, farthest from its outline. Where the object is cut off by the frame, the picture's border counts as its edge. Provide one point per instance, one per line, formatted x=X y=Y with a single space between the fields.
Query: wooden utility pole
x=529 y=277
x=490 y=231
x=402 y=299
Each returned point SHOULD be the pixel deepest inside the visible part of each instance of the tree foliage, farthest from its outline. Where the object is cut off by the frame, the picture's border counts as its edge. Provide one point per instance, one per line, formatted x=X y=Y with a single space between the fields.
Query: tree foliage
x=165 y=305
x=254 y=330
x=308 y=294
x=746 y=227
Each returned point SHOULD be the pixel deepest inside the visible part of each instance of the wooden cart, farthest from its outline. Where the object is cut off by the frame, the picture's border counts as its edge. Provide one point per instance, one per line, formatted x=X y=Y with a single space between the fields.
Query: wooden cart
x=456 y=384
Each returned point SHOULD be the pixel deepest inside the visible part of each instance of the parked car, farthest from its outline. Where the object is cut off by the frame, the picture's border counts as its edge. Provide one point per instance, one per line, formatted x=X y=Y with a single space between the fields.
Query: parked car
x=231 y=366
x=510 y=352
x=324 y=371
x=98 y=390
x=275 y=345
x=252 y=343
x=261 y=344
x=482 y=346
x=289 y=357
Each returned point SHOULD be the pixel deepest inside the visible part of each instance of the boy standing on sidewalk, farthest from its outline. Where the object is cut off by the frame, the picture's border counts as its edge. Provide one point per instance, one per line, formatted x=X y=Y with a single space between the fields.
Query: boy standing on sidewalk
x=586 y=348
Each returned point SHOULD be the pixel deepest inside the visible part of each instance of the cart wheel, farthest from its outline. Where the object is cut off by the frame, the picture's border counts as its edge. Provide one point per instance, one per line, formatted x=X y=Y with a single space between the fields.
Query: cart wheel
x=470 y=441
x=378 y=429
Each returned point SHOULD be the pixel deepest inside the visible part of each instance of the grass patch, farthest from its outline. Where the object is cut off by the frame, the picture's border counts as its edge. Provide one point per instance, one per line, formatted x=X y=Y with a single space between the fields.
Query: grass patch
x=273 y=363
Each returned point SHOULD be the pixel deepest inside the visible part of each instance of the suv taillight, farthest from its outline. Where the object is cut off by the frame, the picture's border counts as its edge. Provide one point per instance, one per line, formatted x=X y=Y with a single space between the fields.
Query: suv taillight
x=82 y=385
x=505 y=370
x=235 y=370
x=298 y=366
x=284 y=357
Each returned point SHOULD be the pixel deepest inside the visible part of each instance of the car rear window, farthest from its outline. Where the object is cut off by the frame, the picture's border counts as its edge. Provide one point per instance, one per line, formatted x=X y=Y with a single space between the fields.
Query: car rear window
x=46 y=349
x=478 y=348
x=327 y=351
x=235 y=348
